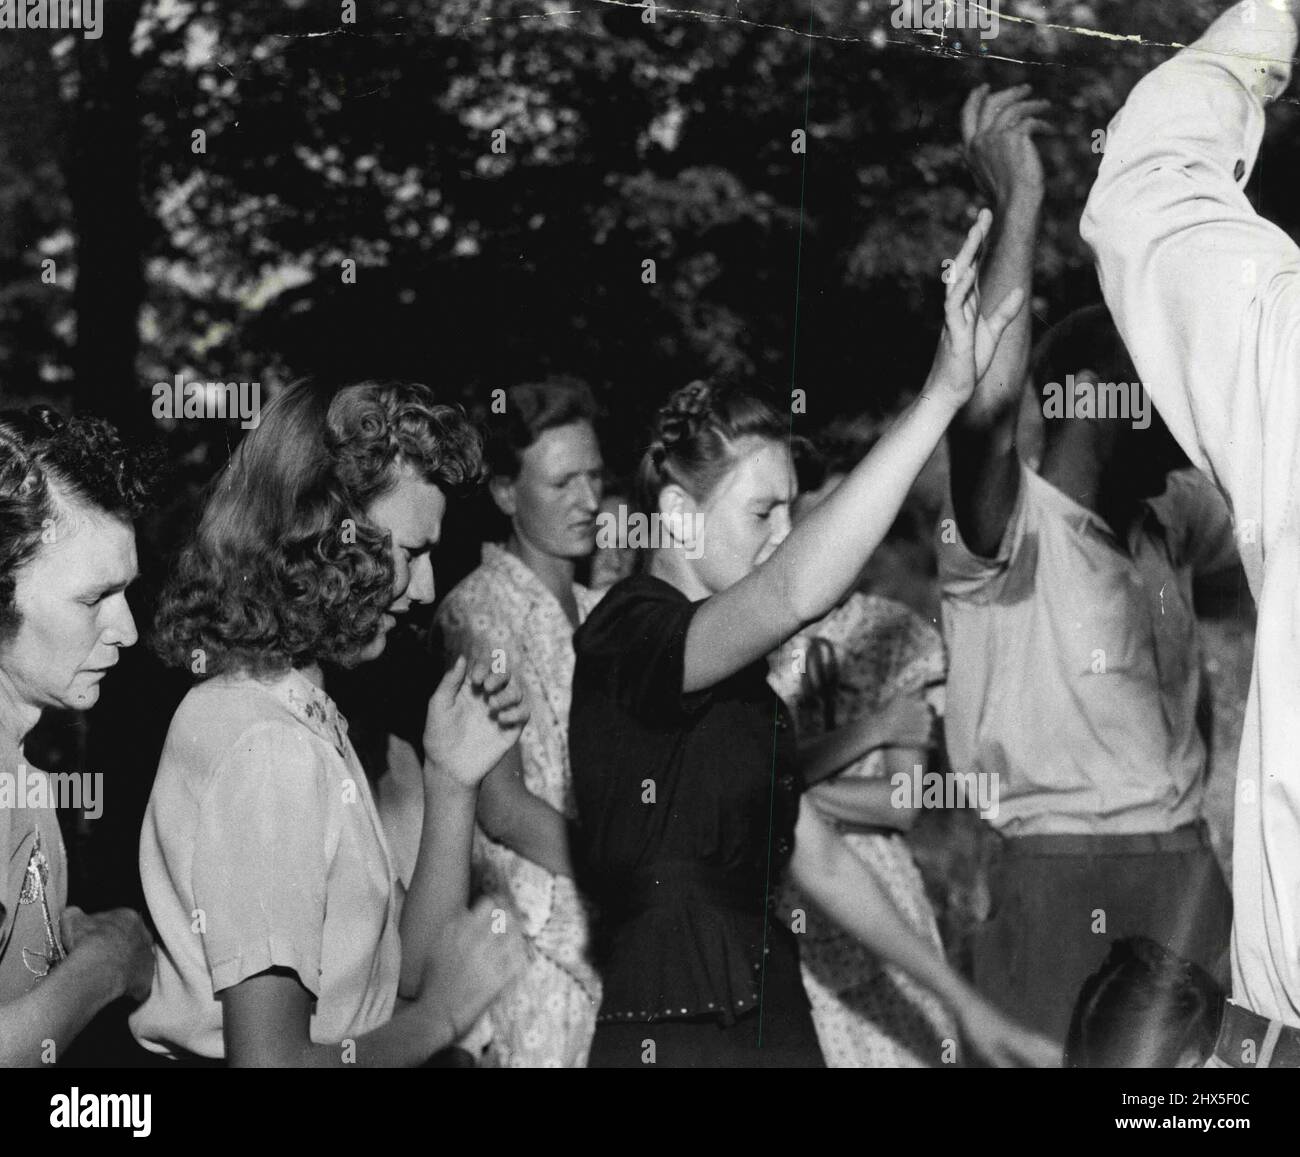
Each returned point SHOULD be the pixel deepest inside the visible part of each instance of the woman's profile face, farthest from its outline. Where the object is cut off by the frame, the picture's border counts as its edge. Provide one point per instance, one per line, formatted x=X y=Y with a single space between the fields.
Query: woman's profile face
x=552 y=502
x=412 y=515
x=748 y=514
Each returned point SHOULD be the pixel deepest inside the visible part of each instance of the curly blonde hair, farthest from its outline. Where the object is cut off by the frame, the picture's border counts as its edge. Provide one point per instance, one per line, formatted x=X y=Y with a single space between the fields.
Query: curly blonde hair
x=285 y=569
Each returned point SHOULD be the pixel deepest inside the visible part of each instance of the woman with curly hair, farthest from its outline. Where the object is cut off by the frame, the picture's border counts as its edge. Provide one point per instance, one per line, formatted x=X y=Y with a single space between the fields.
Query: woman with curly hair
x=284 y=934
x=688 y=799
x=68 y=493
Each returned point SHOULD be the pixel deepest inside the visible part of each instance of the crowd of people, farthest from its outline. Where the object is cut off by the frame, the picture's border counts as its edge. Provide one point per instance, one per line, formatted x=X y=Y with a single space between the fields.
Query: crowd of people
x=654 y=817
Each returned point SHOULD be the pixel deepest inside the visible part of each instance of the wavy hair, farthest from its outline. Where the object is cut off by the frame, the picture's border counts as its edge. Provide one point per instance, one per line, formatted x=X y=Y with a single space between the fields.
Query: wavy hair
x=285 y=569
x=47 y=464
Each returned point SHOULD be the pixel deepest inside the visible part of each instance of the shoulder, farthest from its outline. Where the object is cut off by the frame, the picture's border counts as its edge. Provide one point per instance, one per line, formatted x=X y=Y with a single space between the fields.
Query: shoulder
x=481 y=587
x=233 y=723
x=639 y=599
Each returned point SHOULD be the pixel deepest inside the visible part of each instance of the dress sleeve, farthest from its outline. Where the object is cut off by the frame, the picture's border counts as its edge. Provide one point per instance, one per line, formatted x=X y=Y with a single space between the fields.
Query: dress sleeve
x=471 y=623
x=1205 y=292
x=261 y=858
x=633 y=645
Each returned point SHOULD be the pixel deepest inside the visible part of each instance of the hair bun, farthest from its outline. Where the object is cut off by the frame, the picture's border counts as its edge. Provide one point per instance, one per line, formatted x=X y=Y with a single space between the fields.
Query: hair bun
x=48 y=418
x=681 y=417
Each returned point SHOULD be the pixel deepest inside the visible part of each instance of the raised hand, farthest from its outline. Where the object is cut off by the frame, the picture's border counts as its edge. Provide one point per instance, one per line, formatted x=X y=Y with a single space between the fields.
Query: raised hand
x=118 y=939
x=997 y=134
x=474 y=716
x=969 y=340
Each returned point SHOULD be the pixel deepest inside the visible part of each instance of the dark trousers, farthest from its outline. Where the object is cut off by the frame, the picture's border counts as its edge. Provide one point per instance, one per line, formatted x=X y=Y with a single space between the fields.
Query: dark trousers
x=1059 y=901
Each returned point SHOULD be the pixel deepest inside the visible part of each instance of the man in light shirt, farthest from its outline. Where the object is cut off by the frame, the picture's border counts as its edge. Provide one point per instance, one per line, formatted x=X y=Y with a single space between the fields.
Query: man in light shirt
x=1207 y=296
x=1067 y=604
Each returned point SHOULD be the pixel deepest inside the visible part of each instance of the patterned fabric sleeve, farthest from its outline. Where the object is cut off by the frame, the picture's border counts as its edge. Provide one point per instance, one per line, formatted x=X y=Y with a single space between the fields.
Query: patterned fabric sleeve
x=471 y=623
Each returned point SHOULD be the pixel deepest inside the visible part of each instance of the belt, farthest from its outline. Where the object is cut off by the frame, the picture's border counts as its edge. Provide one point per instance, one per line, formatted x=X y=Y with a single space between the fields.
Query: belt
x=672 y=880
x=1189 y=838
x=1250 y=1041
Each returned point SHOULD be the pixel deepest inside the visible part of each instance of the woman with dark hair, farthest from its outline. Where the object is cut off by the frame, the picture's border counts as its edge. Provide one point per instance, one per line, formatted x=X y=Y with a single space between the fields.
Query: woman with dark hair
x=68 y=493
x=521 y=606
x=688 y=799
x=284 y=937
x=1144 y=1008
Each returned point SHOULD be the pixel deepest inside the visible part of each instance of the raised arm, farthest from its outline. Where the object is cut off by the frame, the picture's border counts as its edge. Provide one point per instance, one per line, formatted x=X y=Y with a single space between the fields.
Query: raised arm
x=997 y=130
x=1203 y=290
x=824 y=554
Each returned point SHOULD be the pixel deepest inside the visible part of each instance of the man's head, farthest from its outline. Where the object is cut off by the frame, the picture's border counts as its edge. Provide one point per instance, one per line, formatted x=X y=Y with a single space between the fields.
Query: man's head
x=1089 y=392
x=68 y=493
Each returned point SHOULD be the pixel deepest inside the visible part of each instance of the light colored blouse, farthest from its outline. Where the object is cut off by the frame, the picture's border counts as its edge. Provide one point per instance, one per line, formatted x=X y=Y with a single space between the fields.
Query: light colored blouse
x=262 y=848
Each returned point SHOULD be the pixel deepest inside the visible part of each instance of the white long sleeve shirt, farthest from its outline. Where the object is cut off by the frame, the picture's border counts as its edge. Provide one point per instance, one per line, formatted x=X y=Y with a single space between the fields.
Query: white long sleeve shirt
x=1206 y=295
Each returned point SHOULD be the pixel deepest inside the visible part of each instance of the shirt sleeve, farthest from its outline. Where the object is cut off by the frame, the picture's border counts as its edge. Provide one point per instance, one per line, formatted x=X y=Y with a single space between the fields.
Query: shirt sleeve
x=633 y=645
x=1205 y=293
x=967 y=577
x=1206 y=540
x=261 y=858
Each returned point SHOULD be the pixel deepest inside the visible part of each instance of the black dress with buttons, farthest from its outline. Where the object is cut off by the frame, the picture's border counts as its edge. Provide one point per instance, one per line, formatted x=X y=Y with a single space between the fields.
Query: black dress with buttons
x=687 y=805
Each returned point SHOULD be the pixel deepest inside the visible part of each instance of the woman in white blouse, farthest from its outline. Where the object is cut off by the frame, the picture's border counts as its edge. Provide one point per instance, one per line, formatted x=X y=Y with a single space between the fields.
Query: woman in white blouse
x=284 y=937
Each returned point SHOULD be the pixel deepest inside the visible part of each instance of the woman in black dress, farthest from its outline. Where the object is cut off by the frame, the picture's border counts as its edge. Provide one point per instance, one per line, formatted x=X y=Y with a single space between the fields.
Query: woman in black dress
x=683 y=759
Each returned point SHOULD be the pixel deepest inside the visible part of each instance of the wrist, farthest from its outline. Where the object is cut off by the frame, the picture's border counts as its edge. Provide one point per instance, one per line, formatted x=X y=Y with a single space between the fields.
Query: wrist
x=98 y=973
x=439 y=776
x=941 y=397
x=1021 y=208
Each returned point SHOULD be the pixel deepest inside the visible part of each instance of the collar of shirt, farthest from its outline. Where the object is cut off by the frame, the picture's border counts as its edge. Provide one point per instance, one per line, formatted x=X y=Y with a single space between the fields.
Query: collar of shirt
x=520 y=575
x=1148 y=524
x=311 y=706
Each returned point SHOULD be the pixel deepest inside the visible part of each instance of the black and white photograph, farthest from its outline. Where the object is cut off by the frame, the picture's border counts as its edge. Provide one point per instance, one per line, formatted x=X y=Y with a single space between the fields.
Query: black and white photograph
x=713 y=534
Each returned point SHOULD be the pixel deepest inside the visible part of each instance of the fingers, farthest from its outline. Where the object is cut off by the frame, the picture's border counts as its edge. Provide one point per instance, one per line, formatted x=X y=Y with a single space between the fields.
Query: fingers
x=995 y=103
x=1013 y=114
x=974 y=239
x=452 y=681
x=72 y=926
x=970 y=112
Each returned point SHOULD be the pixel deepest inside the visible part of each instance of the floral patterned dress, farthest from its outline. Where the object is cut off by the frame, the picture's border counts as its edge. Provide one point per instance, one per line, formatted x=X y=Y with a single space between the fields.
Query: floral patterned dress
x=867 y=1014
x=547 y=1018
